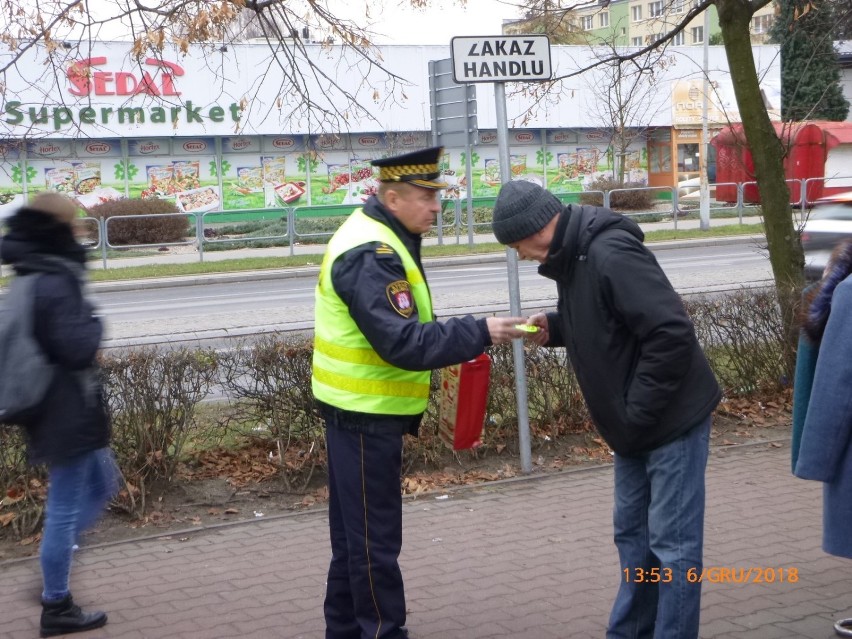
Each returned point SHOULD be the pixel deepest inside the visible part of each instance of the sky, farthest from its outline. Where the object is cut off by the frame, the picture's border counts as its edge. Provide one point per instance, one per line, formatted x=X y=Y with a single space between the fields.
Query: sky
x=398 y=23
x=393 y=21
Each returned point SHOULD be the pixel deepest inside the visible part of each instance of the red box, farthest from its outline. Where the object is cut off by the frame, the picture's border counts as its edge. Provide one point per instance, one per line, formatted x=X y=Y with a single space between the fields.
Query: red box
x=463 y=396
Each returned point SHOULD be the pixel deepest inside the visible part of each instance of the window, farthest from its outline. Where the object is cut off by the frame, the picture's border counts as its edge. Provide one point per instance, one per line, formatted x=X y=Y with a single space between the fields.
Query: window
x=624 y=31
x=636 y=42
x=636 y=12
x=761 y=24
x=678 y=6
x=603 y=19
x=655 y=9
x=679 y=40
x=697 y=35
x=587 y=23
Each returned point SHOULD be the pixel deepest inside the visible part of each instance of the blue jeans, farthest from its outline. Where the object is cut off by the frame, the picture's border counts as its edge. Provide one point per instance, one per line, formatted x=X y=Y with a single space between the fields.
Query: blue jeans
x=659 y=524
x=78 y=490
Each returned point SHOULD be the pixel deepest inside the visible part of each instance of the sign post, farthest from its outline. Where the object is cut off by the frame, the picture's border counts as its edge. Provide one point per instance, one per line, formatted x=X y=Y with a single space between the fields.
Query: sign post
x=501 y=59
x=453 y=109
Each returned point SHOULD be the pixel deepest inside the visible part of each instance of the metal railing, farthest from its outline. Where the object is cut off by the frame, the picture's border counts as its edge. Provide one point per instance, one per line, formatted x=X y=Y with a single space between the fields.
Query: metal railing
x=320 y=222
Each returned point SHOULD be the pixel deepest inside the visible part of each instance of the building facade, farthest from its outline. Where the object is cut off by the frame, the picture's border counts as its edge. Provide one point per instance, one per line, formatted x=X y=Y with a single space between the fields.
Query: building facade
x=222 y=130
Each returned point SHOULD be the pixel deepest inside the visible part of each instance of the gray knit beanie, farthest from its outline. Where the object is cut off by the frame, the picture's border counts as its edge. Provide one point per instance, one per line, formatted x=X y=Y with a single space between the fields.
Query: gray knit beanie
x=522 y=209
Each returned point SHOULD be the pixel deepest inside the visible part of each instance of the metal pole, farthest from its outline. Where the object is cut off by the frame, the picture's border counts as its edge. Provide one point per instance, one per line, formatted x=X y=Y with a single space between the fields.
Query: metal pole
x=468 y=180
x=514 y=286
x=704 y=212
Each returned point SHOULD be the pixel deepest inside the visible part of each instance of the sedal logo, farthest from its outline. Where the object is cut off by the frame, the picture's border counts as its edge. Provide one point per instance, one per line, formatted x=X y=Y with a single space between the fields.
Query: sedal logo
x=98 y=148
x=487 y=138
x=239 y=145
x=524 y=137
x=282 y=143
x=148 y=147
x=368 y=140
x=86 y=80
x=195 y=146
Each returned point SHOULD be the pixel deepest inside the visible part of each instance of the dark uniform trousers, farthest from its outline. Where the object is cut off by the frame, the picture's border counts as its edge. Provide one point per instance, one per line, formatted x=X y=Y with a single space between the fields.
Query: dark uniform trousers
x=365 y=597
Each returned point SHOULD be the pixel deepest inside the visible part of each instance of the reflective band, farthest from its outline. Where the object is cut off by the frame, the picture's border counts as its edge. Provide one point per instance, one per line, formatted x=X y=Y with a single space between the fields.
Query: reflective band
x=346 y=354
x=389 y=388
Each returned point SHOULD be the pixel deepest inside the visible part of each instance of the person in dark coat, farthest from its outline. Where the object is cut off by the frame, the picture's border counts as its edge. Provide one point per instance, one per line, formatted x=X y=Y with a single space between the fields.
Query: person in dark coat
x=376 y=340
x=70 y=433
x=648 y=387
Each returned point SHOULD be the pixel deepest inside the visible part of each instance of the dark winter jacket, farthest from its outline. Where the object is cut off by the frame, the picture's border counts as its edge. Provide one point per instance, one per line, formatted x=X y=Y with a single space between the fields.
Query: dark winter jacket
x=361 y=277
x=73 y=419
x=630 y=341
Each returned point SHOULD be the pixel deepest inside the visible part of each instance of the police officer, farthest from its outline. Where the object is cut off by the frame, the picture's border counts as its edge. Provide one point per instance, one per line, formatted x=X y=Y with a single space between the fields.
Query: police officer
x=376 y=342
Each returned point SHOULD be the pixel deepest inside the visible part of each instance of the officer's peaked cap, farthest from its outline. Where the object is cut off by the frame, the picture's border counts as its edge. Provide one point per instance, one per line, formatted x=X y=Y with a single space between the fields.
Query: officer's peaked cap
x=418 y=167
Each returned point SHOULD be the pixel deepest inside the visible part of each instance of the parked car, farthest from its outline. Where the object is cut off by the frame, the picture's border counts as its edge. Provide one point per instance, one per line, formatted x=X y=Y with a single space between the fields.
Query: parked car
x=829 y=221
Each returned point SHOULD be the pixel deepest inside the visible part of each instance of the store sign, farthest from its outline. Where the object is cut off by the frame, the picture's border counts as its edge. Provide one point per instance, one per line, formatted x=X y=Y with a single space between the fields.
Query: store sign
x=87 y=78
x=196 y=146
x=501 y=58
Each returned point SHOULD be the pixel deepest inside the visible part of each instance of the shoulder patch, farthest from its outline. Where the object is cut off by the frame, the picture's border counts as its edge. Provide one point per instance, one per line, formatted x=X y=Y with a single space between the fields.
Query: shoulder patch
x=400 y=297
x=384 y=249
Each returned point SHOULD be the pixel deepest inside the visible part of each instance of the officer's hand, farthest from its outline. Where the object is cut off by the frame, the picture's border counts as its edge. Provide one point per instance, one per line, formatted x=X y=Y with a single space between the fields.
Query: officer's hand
x=502 y=329
x=543 y=335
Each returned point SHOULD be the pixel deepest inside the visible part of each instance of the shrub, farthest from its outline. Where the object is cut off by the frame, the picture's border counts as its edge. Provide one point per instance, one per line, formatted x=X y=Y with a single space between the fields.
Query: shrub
x=641 y=199
x=152 y=397
x=142 y=230
x=269 y=381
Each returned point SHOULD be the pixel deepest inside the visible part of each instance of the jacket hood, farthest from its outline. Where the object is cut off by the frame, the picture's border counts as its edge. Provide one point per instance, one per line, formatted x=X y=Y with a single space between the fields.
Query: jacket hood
x=578 y=225
x=32 y=236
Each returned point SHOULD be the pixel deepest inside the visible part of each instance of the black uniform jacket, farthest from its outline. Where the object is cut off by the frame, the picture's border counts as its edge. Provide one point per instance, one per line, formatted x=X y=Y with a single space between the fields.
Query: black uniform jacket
x=73 y=419
x=363 y=277
x=631 y=343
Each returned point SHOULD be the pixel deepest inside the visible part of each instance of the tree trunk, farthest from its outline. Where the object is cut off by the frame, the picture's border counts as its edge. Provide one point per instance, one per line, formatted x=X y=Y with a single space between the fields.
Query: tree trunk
x=767 y=150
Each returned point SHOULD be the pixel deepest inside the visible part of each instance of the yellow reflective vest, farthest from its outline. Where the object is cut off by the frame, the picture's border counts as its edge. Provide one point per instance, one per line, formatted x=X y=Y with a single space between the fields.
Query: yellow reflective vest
x=347 y=371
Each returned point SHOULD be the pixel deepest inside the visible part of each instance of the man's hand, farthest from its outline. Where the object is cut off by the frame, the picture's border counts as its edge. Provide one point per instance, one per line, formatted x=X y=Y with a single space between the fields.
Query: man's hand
x=502 y=329
x=543 y=335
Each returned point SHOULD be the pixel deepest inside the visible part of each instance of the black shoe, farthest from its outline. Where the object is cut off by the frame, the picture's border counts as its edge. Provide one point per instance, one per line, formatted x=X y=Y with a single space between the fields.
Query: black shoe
x=64 y=617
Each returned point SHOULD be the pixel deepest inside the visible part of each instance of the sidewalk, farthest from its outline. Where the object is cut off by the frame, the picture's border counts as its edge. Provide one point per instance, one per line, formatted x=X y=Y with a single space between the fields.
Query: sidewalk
x=528 y=559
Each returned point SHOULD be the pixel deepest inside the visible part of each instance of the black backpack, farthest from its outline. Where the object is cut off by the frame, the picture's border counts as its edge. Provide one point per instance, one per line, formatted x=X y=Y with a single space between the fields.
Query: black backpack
x=25 y=371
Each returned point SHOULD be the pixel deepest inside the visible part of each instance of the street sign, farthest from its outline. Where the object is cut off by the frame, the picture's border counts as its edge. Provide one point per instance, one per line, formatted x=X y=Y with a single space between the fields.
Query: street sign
x=453 y=107
x=521 y=58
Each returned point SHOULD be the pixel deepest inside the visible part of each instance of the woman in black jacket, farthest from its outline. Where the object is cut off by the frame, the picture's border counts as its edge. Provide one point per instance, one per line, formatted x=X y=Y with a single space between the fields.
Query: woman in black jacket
x=70 y=432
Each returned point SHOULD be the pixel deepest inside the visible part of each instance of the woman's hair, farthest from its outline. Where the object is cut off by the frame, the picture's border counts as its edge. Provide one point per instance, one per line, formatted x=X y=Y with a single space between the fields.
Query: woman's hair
x=58 y=206
x=817 y=306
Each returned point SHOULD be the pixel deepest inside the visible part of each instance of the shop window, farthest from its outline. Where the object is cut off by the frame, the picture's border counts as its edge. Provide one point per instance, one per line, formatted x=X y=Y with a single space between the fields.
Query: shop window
x=660 y=160
x=687 y=161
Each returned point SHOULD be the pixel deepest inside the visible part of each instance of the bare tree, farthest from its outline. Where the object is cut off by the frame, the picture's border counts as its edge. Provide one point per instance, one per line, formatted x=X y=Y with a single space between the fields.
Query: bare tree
x=768 y=151
x=64 y=31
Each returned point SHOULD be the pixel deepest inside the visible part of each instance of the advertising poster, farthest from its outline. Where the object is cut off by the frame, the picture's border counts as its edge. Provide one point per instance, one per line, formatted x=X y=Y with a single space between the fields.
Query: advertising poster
x=341 y=179
x=185 y=173
x=11 y=179
x=91 y=172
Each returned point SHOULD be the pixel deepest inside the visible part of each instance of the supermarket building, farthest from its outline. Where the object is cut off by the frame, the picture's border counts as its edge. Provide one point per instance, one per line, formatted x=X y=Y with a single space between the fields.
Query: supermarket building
x=218 y=129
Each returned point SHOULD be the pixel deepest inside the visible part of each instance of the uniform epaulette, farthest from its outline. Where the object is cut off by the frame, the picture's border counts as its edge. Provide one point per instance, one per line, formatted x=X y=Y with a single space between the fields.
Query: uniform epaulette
x=384 y=249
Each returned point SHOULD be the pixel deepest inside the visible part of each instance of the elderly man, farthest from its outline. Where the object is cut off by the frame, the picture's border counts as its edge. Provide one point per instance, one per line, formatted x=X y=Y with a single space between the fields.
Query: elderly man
x=648 y=386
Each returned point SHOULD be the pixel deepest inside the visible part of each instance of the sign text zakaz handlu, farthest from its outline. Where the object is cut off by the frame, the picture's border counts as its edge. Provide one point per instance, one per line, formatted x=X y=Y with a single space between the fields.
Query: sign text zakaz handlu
x=521 y=58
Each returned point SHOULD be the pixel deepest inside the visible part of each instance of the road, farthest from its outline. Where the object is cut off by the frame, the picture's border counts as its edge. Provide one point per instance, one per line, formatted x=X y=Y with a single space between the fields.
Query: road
x=224 y=307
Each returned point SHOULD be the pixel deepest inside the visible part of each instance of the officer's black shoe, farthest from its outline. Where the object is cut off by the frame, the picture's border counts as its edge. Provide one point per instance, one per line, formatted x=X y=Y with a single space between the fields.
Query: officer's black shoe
x=64 y=617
